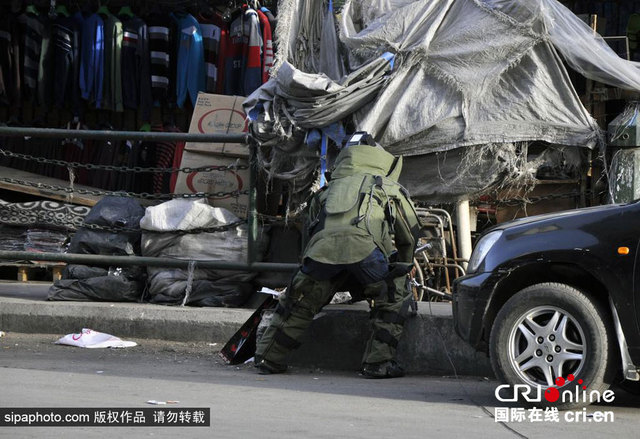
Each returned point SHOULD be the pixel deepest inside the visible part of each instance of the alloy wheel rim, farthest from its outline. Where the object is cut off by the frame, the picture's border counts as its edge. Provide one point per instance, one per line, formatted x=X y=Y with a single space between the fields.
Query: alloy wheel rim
x=545 y=343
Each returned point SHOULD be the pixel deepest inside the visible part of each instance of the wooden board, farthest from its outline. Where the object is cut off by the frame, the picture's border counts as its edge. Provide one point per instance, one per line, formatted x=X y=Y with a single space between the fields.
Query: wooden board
x=75 y=198
x=24 y=272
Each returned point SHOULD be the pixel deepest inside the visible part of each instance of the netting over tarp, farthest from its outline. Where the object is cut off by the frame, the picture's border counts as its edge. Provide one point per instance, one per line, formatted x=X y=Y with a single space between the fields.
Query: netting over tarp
x=467 y=73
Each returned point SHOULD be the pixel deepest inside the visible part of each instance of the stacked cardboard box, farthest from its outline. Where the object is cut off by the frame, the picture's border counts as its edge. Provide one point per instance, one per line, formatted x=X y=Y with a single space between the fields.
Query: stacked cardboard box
x=216 y=114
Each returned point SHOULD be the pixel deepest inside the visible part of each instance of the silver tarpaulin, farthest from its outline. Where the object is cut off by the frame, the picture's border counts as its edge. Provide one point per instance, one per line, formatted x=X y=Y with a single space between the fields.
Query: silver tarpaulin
x=466 y=74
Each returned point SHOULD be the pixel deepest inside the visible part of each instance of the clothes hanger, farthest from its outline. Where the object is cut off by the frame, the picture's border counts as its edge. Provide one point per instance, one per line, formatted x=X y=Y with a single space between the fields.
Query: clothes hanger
x=126 y=11
x=62 y=10
x=231 y=11
x=31 y=9
x=103 y=10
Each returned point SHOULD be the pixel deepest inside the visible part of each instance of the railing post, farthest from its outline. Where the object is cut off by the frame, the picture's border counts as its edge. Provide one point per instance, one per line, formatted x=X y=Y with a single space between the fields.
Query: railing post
x=253 y=210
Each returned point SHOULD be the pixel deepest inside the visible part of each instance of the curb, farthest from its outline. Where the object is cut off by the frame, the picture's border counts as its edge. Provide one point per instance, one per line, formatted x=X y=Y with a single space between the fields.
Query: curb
x=336 y=339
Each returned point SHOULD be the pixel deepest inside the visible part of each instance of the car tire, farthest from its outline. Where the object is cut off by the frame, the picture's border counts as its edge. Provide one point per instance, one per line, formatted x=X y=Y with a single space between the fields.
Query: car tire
x=552 y=330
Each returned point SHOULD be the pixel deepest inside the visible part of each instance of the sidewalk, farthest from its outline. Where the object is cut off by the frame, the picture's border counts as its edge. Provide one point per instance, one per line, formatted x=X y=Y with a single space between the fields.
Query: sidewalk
x=335 y=340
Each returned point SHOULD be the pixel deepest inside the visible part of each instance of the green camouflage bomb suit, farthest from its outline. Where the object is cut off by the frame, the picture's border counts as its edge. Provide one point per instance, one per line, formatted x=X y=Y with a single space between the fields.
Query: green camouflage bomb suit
x=359 y=223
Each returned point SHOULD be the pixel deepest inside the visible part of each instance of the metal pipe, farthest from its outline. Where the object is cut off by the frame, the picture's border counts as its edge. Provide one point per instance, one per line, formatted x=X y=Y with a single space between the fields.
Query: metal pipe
x=456 y=266
x=433 y=291
x=76 y=258
x=443 y=242
x=122 y=135
x=444 y=247
x=253 y=211
x=464 y=229
x=454 y=246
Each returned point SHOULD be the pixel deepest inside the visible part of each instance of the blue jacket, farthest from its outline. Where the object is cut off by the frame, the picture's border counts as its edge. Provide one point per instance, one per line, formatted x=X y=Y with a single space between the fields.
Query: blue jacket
x=92 y=59
x=190 y=78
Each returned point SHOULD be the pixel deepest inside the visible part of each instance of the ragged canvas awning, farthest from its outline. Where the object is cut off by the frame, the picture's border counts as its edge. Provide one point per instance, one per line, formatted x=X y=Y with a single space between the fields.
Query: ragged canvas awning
x=467 y=73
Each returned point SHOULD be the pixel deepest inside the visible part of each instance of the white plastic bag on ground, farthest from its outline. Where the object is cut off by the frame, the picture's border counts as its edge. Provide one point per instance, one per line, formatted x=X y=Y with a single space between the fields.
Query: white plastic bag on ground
x=89 y=338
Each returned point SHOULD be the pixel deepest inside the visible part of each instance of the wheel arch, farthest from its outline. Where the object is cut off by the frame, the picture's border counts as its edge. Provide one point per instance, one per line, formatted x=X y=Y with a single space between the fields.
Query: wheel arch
x=536 y=273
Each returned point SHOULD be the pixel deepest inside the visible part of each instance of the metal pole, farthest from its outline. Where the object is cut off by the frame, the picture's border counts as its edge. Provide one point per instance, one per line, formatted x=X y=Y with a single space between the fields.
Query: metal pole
x=75 y=258
x=122 y=135
x=253 y=211
x=464 y=230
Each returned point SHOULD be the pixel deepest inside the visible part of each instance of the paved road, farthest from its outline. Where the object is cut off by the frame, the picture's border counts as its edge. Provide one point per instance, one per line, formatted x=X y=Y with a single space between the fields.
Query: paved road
x=302 y=404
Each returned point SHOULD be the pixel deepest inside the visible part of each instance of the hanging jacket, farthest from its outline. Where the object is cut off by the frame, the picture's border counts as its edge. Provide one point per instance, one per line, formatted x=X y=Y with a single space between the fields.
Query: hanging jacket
x=46 y=81
x=190 y=77
x=136 y=71
x=162 y=47
x=243 y=66
x=211 y=33
x=223 y=54
x=67 y=38
x=92 y=59
x=267 y=42
x=113 y=39
x=9 y=61
x=362 y=208
x=273 y=21
x=33 y=31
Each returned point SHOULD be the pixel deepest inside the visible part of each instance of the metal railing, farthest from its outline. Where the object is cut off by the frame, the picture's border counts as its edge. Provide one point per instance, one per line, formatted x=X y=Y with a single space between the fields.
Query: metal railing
x=92 y=259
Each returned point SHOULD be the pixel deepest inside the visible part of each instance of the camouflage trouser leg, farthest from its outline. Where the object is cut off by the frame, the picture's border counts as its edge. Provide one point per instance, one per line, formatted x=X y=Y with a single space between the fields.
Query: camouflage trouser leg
x=296 y=308
x=387 y=320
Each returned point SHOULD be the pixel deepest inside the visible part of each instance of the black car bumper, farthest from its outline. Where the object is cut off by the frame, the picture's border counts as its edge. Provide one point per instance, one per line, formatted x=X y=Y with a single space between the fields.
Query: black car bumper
x=471 y=295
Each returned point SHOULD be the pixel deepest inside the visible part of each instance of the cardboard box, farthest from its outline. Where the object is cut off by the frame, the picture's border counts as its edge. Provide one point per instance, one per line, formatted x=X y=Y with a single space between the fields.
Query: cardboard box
x=216 y=181
x=217 y=114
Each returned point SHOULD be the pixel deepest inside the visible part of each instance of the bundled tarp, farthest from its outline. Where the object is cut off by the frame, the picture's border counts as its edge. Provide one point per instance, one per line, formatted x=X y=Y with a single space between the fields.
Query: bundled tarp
x=467 y=74
x=177 y=229
x=112 y=227
x=293 y=102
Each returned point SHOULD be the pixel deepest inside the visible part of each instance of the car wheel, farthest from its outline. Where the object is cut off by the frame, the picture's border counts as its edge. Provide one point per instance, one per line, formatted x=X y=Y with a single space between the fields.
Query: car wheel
x=553 y=335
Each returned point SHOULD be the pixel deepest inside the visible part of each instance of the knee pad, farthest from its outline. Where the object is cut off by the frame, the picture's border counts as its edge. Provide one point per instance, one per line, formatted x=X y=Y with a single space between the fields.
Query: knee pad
x=395 y=312
x=306 y=291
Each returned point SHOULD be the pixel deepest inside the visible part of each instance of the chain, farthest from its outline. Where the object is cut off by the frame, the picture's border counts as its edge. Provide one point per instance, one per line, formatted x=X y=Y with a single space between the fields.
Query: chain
x=120 y=229
x=135 y=169
x=144 y=195
x=77 y=222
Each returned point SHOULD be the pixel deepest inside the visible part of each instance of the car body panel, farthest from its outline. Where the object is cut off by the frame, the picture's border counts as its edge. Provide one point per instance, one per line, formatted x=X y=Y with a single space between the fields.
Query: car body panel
x=584 y=240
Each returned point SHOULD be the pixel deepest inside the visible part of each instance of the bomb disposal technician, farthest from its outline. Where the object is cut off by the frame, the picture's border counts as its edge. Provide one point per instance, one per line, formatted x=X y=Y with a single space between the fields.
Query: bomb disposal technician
x=363 y=230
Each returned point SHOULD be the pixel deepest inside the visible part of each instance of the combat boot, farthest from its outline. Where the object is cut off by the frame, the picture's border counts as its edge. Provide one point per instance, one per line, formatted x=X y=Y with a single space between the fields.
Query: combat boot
x=386 y=369
x=266 y=367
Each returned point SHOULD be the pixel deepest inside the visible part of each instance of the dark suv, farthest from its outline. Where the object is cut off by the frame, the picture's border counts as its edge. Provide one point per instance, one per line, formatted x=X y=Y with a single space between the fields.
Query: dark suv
x=556 y=296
